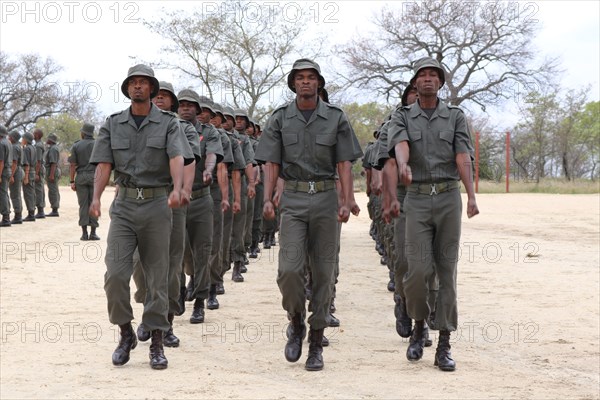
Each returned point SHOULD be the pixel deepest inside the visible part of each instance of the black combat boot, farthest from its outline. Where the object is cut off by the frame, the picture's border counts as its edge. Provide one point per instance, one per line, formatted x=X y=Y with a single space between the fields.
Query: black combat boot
x=127 y=342
x=30 y=217
x=5 y=220
x=93 y=235
x=293 y=347
x=314 y=362
x=212 y=303
x=170 y=339
x=236 y=275
x=332 y=308
x=84 y=233
x=157 y=352
x=391 y=286
x=267 y=241
x=333 y=321
x=18 y=219
x=220 y=288
x=198 y=313
x=254 y=250
x=40 y=214
x=54 y=213
x=414 y=352
x=443 y=357
x=403 y=321
x=142 y=333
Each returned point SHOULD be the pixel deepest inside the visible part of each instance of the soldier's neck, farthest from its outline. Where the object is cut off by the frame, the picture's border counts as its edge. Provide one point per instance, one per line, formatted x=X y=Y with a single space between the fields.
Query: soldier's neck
x=140 y=108
x=306 y=103
x=427 y=102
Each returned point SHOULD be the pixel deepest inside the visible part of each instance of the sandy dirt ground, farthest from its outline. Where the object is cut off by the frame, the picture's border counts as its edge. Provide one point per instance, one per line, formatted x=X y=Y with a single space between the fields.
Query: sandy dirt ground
x=528 y=286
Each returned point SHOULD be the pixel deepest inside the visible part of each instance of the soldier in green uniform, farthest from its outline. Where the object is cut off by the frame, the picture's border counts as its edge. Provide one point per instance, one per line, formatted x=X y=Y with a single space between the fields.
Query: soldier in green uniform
x=199 y=219
x=258 y=199
x=147 y=150
x=303 y=141
x=81 y=177
x=238 y=248
x=431 y=143
x=236 y=171
x=40 y=173
x=51 y=160
x=16 y=179
x=6 y=160
x=29 y=163
x=166 y=100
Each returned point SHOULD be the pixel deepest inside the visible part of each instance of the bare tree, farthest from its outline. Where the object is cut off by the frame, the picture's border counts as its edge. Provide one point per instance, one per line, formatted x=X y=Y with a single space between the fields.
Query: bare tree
x=30 y=90
x=484 y=47
x=242 y=55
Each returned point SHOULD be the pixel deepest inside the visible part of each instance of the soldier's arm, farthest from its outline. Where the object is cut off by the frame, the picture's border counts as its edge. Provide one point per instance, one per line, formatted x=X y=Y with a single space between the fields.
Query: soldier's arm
x=390 y=198
x=101 y=177
x=72 y=169
x=176 y=168
x=209 y=166
x=1 y=169
x=271 y=174
x=52 y=171
x=250 y=175
x=345 y=173
x=236 y=177
x=13 y=170
x=463 y=162
x=223 y=181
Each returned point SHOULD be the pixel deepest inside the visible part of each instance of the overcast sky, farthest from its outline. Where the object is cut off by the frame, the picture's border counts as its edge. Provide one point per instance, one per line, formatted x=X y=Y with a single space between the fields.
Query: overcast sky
x=97 y=41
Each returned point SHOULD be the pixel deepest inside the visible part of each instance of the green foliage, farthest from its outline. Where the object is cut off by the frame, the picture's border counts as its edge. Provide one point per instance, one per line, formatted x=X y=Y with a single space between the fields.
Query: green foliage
x=365 y=119
x=64 y=126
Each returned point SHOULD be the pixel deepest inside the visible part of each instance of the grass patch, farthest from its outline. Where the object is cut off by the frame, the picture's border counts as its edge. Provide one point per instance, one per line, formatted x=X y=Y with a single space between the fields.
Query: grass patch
x=554 y=186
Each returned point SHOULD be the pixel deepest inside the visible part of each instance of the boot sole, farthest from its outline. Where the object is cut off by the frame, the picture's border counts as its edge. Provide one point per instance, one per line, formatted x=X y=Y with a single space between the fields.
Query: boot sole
x=313 y=368
x=159 y=366
x=445 y=369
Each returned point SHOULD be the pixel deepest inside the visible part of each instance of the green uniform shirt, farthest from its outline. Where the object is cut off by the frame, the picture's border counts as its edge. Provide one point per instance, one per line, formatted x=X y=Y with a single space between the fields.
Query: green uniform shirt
x=52 y=156
x=81 y=153
x=366 y=160
x=40 y=152
x=192 y=137
x=210 y=143
x=140 y=157
x=6 y=156
x=434 y=142
x=247 y=149
x=30 y=158
x=17 y=152
x=226 y=143
x=238 y=157
x=308 y=151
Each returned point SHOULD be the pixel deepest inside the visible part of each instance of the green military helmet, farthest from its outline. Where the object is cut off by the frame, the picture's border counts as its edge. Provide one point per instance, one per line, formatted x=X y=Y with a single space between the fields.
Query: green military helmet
x=28 y=137
x=206 y=102
x=227 y=110
x=3 y=131
x=88 y=130
x=52 y=138
x=219 y=110
x=162 y=85
x=141 y=70
x=304 y=63
x=191 y=96
x=428 y=62
x=15 y=135
x=238 y=112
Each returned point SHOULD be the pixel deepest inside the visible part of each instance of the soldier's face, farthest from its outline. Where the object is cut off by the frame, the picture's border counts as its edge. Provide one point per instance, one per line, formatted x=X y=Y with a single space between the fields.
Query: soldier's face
x=163 y=100
x=204 y=116
x=240 y=124
x=427 y=82
x=228 y=123
x=306 y=82
x=250 y=130
x=187 y=110
x=216 y=121
x=139 y=88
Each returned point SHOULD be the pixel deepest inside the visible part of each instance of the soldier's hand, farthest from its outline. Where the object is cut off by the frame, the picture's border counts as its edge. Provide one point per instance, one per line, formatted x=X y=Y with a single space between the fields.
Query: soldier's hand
x=185 y=197
x=174 y=200
x=405 y=174
x=12 y=180
x=376 y=188
x=25 y=181
x=277 y=199
x=207 y=177
x=37 y=178
x=224 y=205
x=343 y=213
x=94 y=210
x=51 y=179
x=236 y=207
x=269 y=210
x=354 y=208
x=472 y=209
x=251 y=190
x=73 y=187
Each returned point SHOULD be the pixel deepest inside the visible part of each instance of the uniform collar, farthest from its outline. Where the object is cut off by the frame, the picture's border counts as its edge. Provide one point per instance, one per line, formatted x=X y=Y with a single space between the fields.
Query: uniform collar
x=441 y=110
x=153 y=116
x=293 y=111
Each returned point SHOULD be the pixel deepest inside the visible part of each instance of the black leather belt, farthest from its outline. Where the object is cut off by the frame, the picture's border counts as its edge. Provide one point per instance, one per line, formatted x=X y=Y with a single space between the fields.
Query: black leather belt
x=196 y=194
x=142 y=193
x=432 y=188
x=309 y=187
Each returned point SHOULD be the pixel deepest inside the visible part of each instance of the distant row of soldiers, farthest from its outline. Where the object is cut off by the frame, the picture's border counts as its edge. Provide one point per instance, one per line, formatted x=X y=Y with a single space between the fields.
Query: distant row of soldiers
x=26 y=166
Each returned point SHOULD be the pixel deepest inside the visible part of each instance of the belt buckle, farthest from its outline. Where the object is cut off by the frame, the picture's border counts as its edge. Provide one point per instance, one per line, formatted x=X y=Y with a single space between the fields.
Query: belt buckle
x=433 y=189
x=140 y=194
x=312 y=189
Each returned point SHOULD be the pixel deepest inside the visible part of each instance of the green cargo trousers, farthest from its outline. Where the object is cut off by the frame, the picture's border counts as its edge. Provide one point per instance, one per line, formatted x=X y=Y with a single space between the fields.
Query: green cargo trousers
x=199 y=228
x=258 y=211
x=15 y=191
x=176 y=248
x=141 y=224
x=84 y=199
x=40 y=194
x=4 y=197
x=238 y=251
x=248 y=222
x=308 y=224
x=225 y=255
x=215 y=261
x=433 y=226
x=29 y=195
x=53 y=192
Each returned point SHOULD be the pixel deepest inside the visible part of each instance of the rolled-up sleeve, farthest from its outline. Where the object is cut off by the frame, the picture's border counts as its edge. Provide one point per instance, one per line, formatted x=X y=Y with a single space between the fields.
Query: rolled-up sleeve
x=102 y=152
x=269 y=145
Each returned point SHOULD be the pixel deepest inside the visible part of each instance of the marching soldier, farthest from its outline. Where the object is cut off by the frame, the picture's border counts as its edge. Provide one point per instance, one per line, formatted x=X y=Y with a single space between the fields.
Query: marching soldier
x=6 y=161
x=40 y=174
x=16 y=180
x=29 y=164
x=52 y=158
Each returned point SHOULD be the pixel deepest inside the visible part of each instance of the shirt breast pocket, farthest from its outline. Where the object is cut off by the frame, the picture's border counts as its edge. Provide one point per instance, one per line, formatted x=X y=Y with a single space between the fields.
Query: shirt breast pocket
x=155 y=151
x=291 y=147
x=447 y=140
x=120 y=148
x=325 y=148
